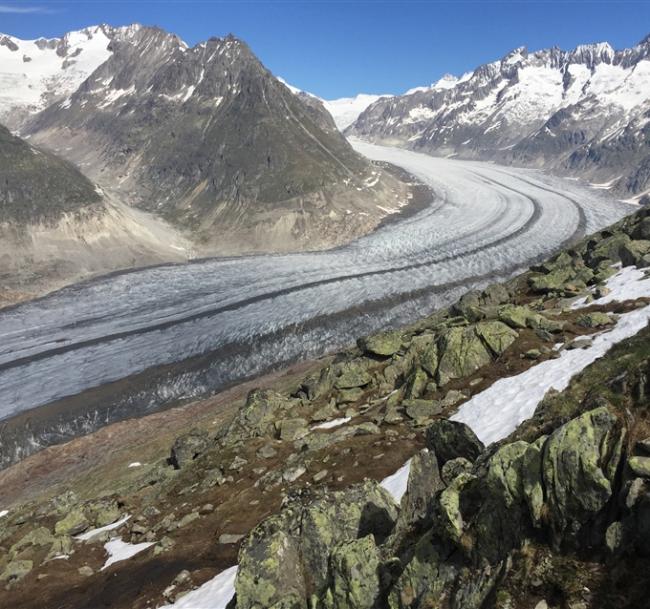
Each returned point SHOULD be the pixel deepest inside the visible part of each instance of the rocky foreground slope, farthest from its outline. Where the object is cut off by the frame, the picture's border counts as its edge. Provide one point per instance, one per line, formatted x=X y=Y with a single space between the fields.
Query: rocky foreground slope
x=554 y=510
x=582 y=112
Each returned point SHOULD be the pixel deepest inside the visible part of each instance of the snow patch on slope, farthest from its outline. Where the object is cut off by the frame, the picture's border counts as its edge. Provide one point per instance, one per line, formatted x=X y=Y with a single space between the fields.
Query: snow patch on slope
x=214 y=594
x=119 y=550
x=496 y=412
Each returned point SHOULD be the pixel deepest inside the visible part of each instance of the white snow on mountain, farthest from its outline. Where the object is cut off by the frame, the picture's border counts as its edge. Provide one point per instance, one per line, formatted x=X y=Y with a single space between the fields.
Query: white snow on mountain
x=448 y=81
x=346 y=110
x=584 y=112
x=35 y=73
x=291 y=88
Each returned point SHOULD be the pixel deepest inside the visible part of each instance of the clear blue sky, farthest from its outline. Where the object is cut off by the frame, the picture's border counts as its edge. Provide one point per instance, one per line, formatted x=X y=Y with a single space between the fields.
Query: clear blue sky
x=338 y=48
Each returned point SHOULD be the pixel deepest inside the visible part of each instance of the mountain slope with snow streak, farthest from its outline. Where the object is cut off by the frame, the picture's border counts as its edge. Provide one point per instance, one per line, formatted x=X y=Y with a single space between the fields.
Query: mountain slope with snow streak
x=585 y=112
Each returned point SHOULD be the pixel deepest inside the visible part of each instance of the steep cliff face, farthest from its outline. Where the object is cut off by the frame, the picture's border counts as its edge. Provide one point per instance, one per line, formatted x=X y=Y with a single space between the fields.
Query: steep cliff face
x=583 y=111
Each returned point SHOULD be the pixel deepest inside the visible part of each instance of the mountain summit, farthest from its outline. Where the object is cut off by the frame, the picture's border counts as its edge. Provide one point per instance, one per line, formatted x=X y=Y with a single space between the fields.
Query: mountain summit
x=210 y=140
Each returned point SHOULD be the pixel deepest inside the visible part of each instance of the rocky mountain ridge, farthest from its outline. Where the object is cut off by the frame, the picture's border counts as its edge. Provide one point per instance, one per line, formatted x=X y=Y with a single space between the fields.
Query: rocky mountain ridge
x=582 y=112
x=208 y=139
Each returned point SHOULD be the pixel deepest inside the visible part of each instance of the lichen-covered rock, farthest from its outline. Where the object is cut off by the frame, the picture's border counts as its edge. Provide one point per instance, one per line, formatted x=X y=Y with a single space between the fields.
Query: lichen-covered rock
x=287 y=555
x=318 y=384
x=635 y=252
x=594 y=320
x=420 y=410
x=415 y=384
x=640 y=466
x=461 y=352
x=609 y=249
x=551 y=282
x=383 y=344
x=422 y=487
x=579 y=464
x=515 y=316
x=16 y=570
x=425 y=581
x=104 y=512
x=292 y=429
x=453 y=468
x=259 y=414
x=532 y=480
x=354 y=573
x=474 y=586
x=429 y=359
x=449 y=522
x=451 y=439
x=270 y=566
x=75 y=522
x=642 y=229
x=496 y=335
x=188 y=447
x=500 y=523
x=352 y=375
x=37 y=537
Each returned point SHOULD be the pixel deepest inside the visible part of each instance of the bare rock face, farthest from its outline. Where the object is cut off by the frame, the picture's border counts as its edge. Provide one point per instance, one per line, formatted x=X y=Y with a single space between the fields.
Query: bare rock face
x=286 y=559
x=207 y=138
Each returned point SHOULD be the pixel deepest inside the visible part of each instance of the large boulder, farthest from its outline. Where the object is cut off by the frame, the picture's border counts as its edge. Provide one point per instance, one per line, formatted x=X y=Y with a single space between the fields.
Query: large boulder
x=287 y=556
x=551 y=282
x=642 y=230
x=188 y=447
x=635 y=253
x=609 y=249
x=426 y=578
x=451 y=439
x=352 y=375
x=384 y=344
x=579 y=465
x=354 y=575
x=501 y=521
x=496 y=335
x=75 y=522
x=423 y=484
x=461 y=352
x=257 y=418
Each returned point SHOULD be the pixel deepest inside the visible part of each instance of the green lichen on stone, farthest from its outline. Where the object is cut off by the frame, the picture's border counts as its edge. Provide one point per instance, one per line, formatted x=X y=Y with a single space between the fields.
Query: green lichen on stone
x=384 y=344
x=461 y=352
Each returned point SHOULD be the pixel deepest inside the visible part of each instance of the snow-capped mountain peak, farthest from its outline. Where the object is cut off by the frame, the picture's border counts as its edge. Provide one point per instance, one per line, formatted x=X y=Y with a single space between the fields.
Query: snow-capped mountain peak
x=580 y=110
x=346 y=110
x=36 y=73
